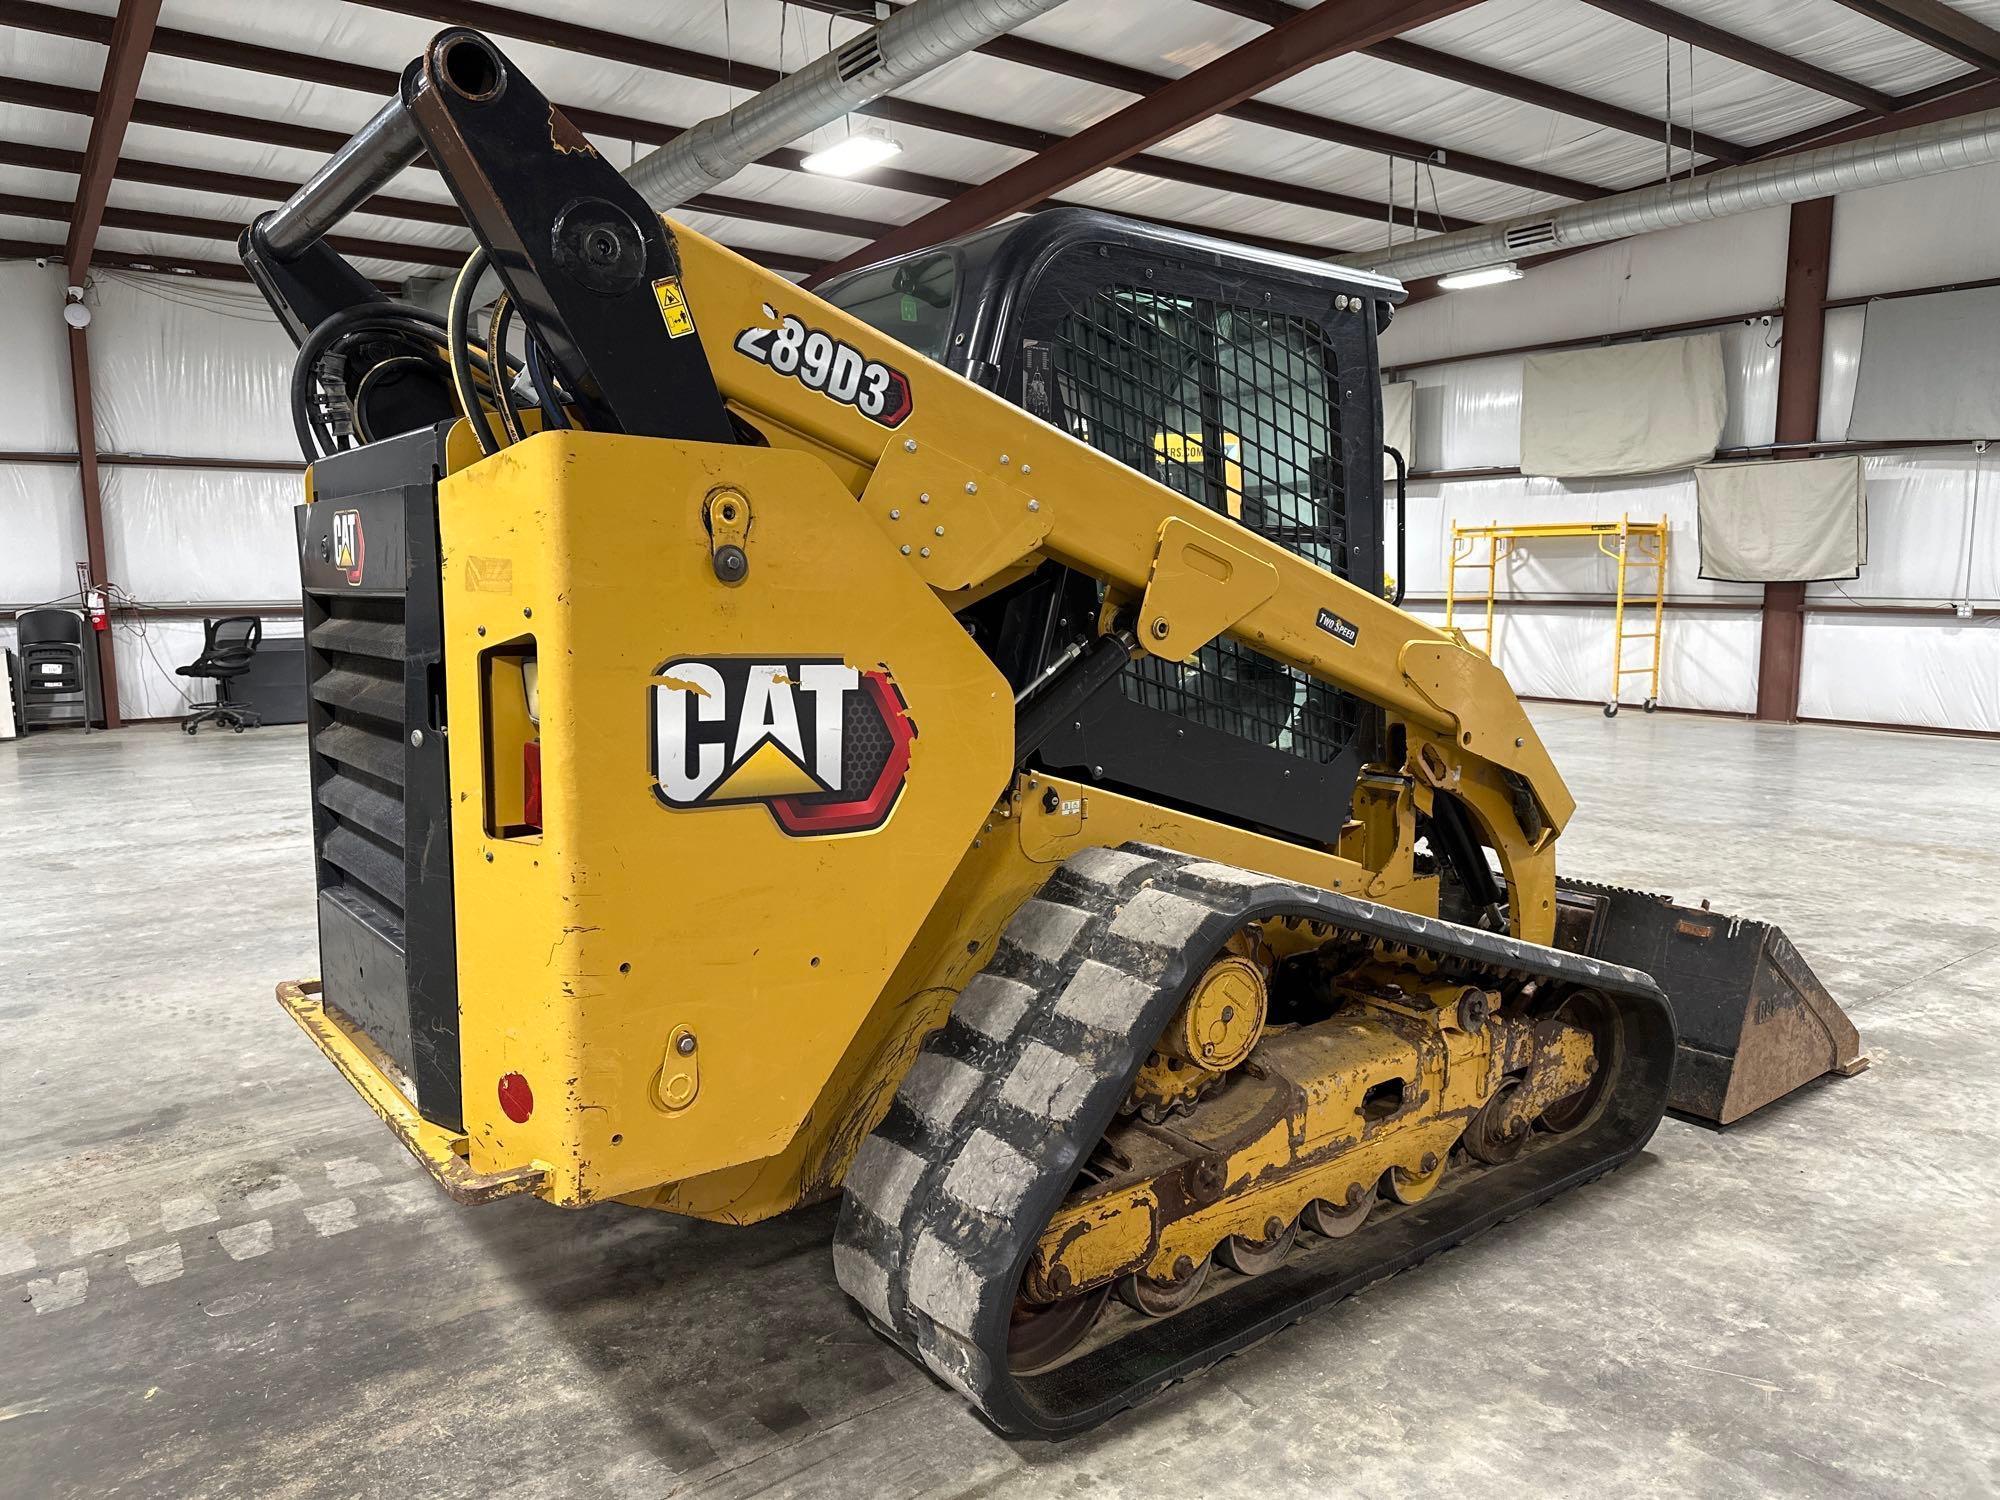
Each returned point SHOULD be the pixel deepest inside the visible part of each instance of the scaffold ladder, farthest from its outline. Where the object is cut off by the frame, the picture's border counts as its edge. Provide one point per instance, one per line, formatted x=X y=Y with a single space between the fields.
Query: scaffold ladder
x=1635 y=546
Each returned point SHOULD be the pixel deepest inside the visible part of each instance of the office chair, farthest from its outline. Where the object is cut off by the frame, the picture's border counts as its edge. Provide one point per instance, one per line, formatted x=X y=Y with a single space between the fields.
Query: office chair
x=226 y=648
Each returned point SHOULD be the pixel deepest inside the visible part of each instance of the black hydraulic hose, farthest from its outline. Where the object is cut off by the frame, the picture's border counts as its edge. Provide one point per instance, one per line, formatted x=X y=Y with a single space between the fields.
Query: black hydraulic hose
x=1452 y=836
x=461 y=364
x=374 y=374
x=402 y=321
x=496 y=340
x=553 y=414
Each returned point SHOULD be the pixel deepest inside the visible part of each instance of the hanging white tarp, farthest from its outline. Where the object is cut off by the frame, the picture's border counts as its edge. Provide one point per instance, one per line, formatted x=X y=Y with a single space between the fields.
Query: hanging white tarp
x=1628 y=409
x=1930 y=368
x=34 y=377
x=188 y=368
x=41 y=532
x=196 y=535
x=1933 y=532
x=1941 y=673
x=1800 y=521
x=1467 y=415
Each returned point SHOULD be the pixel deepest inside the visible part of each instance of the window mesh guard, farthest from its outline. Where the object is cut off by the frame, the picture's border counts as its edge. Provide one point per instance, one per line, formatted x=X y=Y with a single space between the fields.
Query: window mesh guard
x=1236 y=408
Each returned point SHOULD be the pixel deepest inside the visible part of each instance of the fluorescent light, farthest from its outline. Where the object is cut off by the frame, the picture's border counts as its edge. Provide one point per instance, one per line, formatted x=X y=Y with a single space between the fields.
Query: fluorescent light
x=1460 y=281
x=851 y=154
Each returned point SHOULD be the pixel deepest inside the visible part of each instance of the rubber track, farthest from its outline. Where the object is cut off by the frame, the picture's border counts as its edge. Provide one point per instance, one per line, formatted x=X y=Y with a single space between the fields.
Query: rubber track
x=944 y=1202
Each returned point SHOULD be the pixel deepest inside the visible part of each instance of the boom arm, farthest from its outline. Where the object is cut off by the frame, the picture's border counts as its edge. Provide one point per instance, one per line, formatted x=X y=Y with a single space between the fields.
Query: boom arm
x=975 y=492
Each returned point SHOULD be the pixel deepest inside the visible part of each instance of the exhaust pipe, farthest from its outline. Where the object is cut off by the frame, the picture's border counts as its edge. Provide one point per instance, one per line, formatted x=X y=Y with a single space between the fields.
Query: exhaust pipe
x=912 y=42
x=1921 y=151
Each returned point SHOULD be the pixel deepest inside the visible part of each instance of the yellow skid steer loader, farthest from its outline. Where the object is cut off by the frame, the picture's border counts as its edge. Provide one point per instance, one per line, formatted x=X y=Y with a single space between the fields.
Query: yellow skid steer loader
x=942 y=742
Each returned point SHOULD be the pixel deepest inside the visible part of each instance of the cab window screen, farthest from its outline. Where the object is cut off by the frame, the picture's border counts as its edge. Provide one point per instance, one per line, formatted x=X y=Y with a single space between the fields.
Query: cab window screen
x=1233 y=406
x=1238 y=408
x=911 y=302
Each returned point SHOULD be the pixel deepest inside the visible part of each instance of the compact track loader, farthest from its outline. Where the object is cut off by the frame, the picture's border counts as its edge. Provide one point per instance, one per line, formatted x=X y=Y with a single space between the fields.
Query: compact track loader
x=943 y=742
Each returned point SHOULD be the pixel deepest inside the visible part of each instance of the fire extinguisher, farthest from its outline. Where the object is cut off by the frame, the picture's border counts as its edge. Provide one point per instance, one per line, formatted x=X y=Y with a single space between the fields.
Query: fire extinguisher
x=96 y=607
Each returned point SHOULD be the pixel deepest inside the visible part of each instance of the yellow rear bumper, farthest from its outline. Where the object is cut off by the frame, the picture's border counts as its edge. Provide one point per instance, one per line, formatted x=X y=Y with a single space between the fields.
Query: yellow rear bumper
x=442 y=1151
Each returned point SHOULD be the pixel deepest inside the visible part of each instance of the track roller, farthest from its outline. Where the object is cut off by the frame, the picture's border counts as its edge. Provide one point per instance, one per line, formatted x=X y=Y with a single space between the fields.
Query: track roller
x=1255 y=1257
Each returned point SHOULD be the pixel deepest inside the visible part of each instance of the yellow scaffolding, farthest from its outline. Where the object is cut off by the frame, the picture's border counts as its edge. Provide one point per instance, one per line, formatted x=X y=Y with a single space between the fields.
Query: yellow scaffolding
x=1640 y=545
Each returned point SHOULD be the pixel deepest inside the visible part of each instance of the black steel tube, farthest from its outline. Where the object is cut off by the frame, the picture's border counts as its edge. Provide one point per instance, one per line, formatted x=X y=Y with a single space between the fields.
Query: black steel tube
x=1402 y=532
x=1073 y=687
x=356 y=172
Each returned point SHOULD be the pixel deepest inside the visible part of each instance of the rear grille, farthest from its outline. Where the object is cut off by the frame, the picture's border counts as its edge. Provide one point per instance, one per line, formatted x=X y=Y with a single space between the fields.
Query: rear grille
x=362 y=693
x=356 y=675
x=356 y=802
x=1238 y=408
x=368 y=565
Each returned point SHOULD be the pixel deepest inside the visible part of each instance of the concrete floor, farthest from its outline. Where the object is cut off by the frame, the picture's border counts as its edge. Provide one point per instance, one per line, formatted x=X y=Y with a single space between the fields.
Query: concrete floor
x=220 y=1276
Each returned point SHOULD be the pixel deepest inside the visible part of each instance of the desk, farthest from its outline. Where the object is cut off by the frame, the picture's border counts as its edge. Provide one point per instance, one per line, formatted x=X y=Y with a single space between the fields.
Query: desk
x=275 y=685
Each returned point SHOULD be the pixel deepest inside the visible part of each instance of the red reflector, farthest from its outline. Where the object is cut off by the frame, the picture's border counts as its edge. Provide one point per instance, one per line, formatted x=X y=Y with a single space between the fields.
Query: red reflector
x=531 y=784
x=517 y=1100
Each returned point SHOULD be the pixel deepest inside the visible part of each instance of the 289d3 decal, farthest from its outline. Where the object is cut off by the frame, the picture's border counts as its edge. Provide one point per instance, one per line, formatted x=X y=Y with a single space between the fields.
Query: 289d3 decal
x=833 y=367
x=824 y=745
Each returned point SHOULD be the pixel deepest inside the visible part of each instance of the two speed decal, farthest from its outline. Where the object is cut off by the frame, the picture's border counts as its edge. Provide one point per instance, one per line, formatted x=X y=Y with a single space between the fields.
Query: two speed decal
x=1344 y=631
x=836 y=369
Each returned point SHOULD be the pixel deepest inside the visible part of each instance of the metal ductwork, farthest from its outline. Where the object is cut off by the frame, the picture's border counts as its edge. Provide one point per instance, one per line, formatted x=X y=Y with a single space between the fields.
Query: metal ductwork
x=912 y=42
x=1921 y=151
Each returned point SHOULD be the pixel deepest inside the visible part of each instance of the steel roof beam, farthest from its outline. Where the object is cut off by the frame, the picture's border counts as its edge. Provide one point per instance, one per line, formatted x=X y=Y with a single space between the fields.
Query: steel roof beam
x=1966 y=94
x=1669 y=22
x=64 y=100
x=1560 y=101
x=379 y=83
x=1328 y=30
x=387 y=206
x=1505 y=85
x=123 y=260
x=1130 y=80
x=661 y=57
x=1937 y=26
x=196 y=227
x=130 y=36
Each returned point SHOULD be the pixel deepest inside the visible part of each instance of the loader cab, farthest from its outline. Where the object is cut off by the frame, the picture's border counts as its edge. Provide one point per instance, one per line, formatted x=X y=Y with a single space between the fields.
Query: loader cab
x=1245 y=381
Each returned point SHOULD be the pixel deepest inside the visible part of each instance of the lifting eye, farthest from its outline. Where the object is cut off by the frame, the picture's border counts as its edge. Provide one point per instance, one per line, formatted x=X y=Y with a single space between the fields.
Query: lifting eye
x=1383 y=1100
x=471 y=68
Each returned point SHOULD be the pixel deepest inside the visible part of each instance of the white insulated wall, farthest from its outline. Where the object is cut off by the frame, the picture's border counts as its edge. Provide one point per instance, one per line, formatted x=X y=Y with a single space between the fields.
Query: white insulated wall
x=194 y=368
x=1934 y=515
x=180 y=368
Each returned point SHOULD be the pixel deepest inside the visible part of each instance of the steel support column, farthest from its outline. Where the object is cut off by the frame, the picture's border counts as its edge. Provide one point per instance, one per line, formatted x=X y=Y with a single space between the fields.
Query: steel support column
x=1809 y=252
x=93 y=512
x=124 y=60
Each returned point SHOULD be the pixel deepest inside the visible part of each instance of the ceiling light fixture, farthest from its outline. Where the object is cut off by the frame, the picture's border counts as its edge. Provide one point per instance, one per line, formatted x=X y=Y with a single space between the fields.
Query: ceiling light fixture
x=1460 y=281
x=854 y=153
